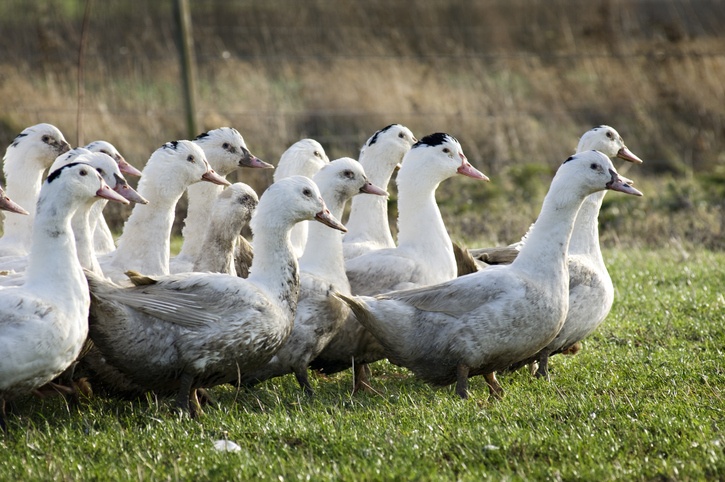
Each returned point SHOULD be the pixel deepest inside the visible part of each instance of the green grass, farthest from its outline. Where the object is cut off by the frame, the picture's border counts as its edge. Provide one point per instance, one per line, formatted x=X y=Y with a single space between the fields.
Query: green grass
x=643 y=400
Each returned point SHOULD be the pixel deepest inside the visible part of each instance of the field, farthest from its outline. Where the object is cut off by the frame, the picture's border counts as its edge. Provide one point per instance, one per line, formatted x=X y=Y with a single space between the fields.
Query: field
x=643 y=400
x=517 y=82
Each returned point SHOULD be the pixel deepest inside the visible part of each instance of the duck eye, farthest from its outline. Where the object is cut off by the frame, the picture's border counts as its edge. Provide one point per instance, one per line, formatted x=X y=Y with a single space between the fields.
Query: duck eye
x=401 y=135
x=225 y=145
x=46 y=139
x=317 y=154
x=83 y=172
x=594 y=166
x=105 y=152
x=307 y=192
x=610 y=135
x=446 y=150
x=190 y=158
x=348 y=174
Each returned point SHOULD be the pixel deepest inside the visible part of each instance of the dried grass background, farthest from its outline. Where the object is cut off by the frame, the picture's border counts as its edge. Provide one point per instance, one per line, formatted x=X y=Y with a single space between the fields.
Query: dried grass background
x=517 y=82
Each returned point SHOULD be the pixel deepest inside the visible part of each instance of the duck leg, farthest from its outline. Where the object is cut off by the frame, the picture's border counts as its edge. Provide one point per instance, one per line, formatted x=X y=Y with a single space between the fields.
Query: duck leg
x=303 y=380
x=3 y=422
x=543 y=370
x=494 y=387
x=361 y=374
x=462 y=380
x=182 y=398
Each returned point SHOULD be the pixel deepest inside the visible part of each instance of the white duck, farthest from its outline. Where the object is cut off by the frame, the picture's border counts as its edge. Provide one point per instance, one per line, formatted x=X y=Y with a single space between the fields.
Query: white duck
x=25 y=161
x=81 y=220
x=322 y=271
x=368 y=228
x=231 y=211
x=424 y=254
x=145 y=241
x=303 y=158
x=43 y=322
x=484 y=322
x=103 y=242
x=591 y=292
x=225 y=151
x=191 y=330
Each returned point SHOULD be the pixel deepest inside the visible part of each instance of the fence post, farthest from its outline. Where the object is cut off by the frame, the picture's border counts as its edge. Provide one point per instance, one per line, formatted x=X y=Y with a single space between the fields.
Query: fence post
x=188 y=63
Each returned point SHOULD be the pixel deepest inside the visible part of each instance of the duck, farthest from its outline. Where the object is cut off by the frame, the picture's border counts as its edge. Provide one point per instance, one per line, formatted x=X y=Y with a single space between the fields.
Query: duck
x=303 y=158
x=103 y=241
x=44 y=321
x=231 y=211
x=81 y=220
x=424 y=254
x=603 y=138
x=591 y=292
x=177 y=333
x=322 y=272
x=26 y=159
x=145 y=241
x=483 y=322
x=367 y=226
x=226 y=151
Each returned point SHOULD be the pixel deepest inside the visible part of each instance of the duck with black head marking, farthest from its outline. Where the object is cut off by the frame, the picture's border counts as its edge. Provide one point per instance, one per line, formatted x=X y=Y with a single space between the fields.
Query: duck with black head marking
x=25 y=161
x=424 y=254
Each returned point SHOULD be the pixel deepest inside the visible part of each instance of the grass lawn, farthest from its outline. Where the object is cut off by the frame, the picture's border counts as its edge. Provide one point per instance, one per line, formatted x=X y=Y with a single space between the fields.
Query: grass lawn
x=643 y=400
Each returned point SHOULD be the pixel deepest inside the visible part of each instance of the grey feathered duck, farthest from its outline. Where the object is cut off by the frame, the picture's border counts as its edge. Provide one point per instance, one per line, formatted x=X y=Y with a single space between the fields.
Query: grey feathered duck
x=482 y=323
x=591 y=292
x=322 y=271
x=181 y=332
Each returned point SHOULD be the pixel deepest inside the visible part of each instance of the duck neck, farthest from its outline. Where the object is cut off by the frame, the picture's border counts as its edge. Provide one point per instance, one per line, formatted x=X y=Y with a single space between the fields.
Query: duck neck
x=544 y=255
x=201 y=196
x=145 y=241
x=275 y=267
x=219 y=246
x=585 y=236
x=368 y=220
x=53 y=269
x=421 y=227
x=23 y=182
x=83 y=234
x=323 y=256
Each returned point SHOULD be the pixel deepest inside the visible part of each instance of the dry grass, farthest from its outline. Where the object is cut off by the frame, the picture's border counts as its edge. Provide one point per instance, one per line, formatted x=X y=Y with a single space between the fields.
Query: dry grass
x=517 y=83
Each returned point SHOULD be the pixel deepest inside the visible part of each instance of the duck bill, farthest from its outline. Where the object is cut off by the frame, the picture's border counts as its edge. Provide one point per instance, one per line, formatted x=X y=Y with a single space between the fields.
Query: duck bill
x=467 y=169
x=622 y=184
x=130 y=193
x=628 y=155
x=250 y=160
x=370 y=188
x=8 y=204
x=127 y=168
x=326 y=218
x=213 y=177
x=106 y=192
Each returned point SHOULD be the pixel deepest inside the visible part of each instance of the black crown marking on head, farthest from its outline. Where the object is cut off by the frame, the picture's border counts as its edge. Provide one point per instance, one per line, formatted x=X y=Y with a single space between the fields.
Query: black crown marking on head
x=17 y=139
x=434 y=140
x=571 y=158
x=171 y=145
x=54 y=175
x=374 y=138
x=203 y=135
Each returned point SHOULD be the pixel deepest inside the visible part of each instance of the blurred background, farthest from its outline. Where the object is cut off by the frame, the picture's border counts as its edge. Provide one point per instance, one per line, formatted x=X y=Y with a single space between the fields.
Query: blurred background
x=516 y=81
